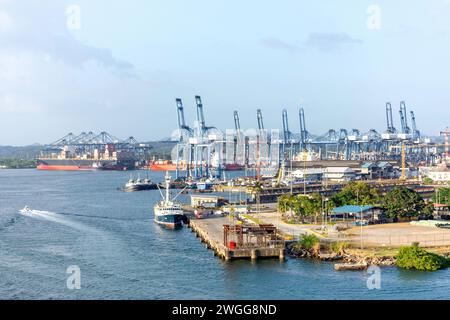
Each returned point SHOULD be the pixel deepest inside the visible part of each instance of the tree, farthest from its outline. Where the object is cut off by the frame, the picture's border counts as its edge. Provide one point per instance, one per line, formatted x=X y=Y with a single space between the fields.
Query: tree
x=301 y=205
x=356 y=193
x=403 y=202
x=285 y=202
x=442 y=196
x=414 y=257
x=307 y=206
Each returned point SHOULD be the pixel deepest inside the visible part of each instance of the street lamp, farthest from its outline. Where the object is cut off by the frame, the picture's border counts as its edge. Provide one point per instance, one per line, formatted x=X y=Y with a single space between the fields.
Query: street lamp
x=361 y=222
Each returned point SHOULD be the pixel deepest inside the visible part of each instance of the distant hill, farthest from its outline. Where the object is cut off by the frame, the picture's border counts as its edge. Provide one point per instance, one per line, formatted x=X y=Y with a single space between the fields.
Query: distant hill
x=161 y=149
x=23 y=152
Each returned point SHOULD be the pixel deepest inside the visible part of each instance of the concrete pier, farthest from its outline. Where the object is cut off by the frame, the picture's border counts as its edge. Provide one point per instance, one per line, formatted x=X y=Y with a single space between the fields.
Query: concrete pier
x=210 y=231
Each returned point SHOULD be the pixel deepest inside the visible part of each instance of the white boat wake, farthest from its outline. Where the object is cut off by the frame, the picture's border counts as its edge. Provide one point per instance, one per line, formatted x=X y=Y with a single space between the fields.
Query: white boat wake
x=53 y=217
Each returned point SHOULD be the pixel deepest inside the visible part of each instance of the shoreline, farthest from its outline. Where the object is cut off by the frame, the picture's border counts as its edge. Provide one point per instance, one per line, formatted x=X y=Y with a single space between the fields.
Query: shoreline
x=379 y=256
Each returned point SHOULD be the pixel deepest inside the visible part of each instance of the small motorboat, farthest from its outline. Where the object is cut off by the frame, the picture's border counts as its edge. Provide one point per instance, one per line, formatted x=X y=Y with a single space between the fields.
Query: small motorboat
x=26 y=210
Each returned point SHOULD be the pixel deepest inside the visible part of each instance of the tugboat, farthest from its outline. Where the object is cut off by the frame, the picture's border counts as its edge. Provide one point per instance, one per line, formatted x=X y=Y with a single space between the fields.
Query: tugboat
x=138 y=185
x=168 y=213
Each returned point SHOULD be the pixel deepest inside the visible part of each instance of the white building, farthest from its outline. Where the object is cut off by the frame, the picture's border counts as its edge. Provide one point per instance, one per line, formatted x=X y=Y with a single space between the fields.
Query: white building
x=437 y=174
x=339 y=174
x=311 y=174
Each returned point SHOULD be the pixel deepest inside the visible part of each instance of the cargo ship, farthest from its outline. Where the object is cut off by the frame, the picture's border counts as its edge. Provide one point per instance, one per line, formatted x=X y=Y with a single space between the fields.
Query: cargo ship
x=69 y=160
x=80 y=165
x=165 y=165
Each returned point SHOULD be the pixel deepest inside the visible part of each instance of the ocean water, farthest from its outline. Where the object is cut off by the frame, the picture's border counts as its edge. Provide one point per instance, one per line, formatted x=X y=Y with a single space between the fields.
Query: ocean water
x=122 y=254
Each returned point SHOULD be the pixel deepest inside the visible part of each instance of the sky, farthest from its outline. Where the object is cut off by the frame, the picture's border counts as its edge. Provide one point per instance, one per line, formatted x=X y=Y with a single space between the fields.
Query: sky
x=117 y=66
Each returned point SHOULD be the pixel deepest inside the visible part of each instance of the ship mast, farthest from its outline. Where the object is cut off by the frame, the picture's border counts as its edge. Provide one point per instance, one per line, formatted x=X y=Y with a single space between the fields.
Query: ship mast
x=167 y=178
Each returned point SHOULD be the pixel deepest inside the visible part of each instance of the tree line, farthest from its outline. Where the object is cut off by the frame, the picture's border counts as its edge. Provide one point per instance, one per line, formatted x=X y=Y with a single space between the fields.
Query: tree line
x=400 y=202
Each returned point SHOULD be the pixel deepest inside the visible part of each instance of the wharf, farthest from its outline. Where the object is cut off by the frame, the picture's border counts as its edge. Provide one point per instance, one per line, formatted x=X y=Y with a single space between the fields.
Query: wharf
x=257 y=245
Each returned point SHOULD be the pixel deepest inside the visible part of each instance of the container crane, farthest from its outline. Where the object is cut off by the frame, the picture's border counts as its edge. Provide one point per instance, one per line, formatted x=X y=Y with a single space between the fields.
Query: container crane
x=389 y=119
x=286 y=132
x=259 y=118
x=181 y=121
x=303 y=131
x=237 y=138
x=200 y=116
x=237 y=124
x=415 y=132
x=403 y=118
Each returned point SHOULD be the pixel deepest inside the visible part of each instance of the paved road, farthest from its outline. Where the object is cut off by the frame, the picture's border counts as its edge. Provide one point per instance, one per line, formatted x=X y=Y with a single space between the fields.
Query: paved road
x=275 y=219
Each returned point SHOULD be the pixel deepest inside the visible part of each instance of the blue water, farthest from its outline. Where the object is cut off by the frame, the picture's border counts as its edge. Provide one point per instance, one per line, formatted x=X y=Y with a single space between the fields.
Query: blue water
x=122 y=254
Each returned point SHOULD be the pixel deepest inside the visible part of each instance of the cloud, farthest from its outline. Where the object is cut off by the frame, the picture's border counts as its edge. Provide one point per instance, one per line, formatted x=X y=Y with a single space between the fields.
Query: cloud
x=34 y=31
x=316 y=40
x=330 y=41
x=275 y=43
x=51 y=82
x=6 y=22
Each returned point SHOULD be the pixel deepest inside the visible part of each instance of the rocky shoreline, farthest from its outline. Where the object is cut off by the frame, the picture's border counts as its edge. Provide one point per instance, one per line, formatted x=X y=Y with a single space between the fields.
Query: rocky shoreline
x=343 y=256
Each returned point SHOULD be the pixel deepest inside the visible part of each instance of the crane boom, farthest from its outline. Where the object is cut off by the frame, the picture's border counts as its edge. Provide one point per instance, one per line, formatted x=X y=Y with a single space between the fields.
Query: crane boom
x=416 y=133
x=181 y=120
x=200 y=115
x=286 y=132
x=259 y=118
x=303 y=131
x=389 y=119
x=237 y=124
x=404 y=118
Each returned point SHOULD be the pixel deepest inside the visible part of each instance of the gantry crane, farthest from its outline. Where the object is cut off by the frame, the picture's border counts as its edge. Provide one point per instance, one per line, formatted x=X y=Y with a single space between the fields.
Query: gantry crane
x=181 y=121
x=201 y=117
x=404 y=118
x=303 y=131
x=259 y=118
x=415 y=131
x=389 y=120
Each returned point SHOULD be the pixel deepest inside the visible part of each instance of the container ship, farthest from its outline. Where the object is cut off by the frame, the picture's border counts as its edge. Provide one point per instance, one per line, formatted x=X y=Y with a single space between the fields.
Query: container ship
x=68 y=159
x=80 y=164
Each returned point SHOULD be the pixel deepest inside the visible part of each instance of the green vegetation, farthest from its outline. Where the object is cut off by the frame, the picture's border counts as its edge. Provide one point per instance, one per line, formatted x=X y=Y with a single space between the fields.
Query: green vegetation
x=402 y=202
x=308 y=242
x=427 y=180
x=442 y=196
x=414 y=257
x=302 y=206
x=356 y=193
x=338 y=247
x=17 y=163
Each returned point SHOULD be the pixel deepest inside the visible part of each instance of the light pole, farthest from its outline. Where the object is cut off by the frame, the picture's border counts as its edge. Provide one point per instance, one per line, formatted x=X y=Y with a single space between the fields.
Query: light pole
x=361 y=222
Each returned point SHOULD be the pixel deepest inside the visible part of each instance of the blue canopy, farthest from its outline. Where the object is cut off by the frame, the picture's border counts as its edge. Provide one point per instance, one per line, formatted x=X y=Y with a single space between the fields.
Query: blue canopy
x=351 y=209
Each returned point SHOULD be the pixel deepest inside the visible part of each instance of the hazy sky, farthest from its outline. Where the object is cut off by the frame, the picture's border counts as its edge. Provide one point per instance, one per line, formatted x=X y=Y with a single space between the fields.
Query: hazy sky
x=121 y=68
